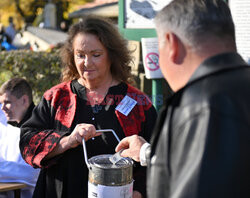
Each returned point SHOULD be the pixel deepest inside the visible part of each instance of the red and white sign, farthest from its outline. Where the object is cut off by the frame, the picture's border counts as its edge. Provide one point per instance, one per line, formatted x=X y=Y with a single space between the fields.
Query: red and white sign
x=152 y=61
x=151 y=58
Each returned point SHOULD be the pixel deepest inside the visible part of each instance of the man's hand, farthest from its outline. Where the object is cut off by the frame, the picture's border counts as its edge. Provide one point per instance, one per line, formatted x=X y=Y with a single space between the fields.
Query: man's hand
x=132 y=146
x=137 y=194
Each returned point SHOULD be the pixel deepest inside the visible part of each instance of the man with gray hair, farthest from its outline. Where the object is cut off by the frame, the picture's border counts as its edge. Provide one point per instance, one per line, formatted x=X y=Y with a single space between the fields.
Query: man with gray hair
x=200 y=147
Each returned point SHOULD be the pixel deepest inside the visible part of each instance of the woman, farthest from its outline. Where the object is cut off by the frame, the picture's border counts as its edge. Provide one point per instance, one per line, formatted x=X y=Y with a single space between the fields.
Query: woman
x=95 y=81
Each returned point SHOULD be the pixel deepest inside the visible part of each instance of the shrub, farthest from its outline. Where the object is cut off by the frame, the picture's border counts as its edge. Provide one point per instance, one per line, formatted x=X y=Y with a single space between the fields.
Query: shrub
x=41 y=69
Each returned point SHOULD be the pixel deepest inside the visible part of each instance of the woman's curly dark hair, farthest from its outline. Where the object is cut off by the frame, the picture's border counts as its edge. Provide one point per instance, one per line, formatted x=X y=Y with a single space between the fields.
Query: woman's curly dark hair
x=108 y=34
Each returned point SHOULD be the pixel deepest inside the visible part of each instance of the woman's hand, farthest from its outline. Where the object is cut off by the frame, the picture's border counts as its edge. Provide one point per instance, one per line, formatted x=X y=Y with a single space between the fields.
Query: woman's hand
x=137 y=194
x=83 y=130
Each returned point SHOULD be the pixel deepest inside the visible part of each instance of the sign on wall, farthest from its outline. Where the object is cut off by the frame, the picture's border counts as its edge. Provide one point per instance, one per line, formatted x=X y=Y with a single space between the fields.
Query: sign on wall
x=241 y=15
x=150 y=56
x=140 y=13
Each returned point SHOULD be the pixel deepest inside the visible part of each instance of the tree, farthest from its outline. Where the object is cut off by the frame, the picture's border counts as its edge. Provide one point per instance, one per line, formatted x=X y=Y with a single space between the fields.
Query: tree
x=27 y=10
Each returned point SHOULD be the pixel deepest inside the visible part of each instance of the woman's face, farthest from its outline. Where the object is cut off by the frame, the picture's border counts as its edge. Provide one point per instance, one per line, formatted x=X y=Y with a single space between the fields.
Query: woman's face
x=91 y=57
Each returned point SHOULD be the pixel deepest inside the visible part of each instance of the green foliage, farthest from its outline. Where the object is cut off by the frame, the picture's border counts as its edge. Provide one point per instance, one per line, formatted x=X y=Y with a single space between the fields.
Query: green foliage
x=41 y=69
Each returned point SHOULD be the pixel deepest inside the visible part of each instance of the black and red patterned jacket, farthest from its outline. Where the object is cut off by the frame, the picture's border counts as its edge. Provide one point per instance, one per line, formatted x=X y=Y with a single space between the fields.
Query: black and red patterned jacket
x=53 y=118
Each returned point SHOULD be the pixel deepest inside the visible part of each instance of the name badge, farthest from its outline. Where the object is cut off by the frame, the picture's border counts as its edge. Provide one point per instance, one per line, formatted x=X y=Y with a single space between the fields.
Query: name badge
x=126 y=105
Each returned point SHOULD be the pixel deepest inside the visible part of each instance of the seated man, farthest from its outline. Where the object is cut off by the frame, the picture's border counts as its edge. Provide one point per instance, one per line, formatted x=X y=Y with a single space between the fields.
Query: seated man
x=17 y=105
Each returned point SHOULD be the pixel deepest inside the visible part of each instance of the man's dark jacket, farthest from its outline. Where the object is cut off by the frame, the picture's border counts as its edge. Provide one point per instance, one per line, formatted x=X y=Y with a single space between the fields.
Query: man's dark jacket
x=201 y=146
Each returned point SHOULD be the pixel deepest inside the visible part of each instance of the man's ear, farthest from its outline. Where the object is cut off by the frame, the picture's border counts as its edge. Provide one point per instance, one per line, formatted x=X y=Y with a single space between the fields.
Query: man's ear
x=176 y=48
x=25 y=100
x=171 y=41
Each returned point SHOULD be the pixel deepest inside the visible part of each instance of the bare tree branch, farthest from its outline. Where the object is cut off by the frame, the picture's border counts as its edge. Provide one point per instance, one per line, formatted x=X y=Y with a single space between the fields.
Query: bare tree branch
x=17 y=3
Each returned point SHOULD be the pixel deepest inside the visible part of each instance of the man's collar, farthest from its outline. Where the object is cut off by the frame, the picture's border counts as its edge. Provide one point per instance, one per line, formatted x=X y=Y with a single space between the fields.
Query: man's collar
x=216 y=64
x=27 y=114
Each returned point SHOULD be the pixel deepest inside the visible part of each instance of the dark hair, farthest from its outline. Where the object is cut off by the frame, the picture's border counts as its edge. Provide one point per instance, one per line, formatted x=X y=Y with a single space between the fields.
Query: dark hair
x=195 y=21
x=10 y=19
x=17 y=87
x=109 y=36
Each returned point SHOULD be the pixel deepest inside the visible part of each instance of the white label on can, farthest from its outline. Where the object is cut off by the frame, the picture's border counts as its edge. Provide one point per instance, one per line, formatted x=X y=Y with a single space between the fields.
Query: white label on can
x=101 y=191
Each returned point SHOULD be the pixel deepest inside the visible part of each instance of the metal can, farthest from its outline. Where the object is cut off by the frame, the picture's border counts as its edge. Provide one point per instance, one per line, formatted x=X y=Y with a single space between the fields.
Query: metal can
x=108 y=180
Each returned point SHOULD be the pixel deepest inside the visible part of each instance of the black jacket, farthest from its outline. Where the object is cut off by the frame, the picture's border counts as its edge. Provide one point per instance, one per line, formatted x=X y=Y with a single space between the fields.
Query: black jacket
x=201 y=145
x=60 y=110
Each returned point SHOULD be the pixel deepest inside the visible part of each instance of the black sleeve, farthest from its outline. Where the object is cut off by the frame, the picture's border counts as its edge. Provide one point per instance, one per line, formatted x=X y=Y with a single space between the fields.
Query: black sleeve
x=38 y=136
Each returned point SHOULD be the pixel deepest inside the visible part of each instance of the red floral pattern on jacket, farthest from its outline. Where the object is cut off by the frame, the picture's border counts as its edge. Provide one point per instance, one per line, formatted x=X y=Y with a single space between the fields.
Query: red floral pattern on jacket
x=38 y=145
x=64 y=101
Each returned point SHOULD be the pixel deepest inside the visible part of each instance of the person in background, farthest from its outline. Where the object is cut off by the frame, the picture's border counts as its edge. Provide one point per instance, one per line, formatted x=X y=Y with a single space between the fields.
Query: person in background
x=17 y=101
x=64 y=26
x=5 y=40
x=11 y=30
x=200 y=146
x=16 y=106
x=96 y=93
x=3 y=35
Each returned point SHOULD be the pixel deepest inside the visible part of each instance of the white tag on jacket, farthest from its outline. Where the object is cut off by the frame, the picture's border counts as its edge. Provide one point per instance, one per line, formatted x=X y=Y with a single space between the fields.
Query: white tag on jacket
x=126 y=105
